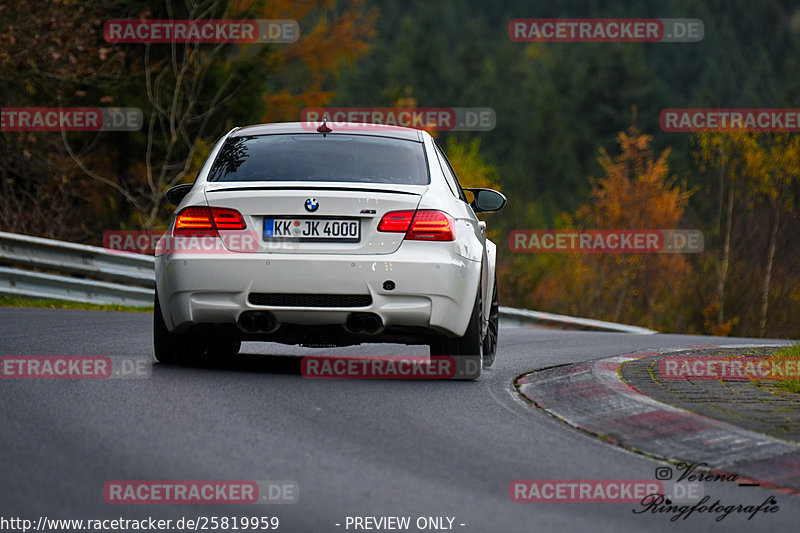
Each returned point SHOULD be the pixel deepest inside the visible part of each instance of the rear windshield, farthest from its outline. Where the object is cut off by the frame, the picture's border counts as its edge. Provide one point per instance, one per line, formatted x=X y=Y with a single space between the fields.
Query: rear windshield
x=312 y=157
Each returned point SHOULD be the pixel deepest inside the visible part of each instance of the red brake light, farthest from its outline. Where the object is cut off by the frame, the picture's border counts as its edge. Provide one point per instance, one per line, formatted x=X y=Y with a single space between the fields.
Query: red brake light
x=421 y=225
x=430 y=225
x=200 y=220
x=195 y=221
x=230 y=219
x=396 y=221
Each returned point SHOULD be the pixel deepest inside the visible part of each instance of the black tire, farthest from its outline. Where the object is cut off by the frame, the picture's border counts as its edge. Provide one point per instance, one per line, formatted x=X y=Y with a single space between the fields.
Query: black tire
x=490 y=339
x=204 y=350
x=182 y=349
x=168 y=347
x=467 y=350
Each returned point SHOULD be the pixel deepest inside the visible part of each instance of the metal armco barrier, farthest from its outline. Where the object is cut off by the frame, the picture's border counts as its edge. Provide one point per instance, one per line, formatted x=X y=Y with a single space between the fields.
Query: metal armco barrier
x=74 y=272
x=549 y=320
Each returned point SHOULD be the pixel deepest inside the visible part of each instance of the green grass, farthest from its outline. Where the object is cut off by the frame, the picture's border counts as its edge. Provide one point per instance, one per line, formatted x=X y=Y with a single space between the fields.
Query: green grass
x=15 y=301
x=791 y=352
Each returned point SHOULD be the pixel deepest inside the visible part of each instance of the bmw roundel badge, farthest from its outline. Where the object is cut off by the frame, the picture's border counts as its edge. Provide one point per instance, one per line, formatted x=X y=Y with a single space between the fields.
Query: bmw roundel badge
x=312 y=205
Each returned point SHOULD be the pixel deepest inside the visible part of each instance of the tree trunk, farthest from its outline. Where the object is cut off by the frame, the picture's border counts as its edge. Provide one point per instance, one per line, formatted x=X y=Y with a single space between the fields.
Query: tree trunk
x=773 y=238
x=726 y=252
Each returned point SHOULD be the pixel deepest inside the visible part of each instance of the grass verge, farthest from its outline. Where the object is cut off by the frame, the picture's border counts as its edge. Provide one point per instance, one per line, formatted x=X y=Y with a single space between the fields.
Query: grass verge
x=16 y=301
x=790 y=352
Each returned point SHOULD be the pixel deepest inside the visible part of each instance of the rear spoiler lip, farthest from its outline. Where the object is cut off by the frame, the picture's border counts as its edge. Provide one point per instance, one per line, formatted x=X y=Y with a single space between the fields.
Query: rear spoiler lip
x=313 y=188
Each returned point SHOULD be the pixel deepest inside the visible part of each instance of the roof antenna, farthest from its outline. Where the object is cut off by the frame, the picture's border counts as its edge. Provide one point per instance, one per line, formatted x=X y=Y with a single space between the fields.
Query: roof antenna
x=324 y=129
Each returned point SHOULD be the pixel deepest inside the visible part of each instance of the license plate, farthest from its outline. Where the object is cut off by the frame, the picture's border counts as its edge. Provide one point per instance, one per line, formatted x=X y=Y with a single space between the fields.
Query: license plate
x=312 y=229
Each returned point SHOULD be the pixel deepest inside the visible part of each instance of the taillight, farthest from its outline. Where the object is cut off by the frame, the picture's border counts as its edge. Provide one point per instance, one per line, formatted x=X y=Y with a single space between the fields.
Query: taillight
x=229 y=219
x=396 y=221
x=429 y=225
x=195 y=221
x=200 y=220
x=421 y=225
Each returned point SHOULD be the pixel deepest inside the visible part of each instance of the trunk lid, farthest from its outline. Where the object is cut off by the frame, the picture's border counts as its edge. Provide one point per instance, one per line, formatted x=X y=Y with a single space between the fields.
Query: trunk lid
x=279 y=222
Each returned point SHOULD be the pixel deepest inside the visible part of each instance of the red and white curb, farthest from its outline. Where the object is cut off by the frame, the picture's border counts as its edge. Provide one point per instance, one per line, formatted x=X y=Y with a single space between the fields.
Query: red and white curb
x=593 y=397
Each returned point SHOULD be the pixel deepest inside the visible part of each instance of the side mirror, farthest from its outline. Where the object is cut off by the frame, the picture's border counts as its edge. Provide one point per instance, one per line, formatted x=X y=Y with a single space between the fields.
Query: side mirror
x=487 y=200
x=177 y=193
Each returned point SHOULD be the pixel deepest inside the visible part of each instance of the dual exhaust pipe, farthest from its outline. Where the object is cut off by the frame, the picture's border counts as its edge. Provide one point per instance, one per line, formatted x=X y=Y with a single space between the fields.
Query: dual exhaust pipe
x=265 y=322
x=257 y=322
x=364 y=323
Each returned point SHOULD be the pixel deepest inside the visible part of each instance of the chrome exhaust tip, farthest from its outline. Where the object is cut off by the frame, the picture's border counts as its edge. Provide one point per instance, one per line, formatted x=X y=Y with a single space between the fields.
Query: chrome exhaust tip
x=369 y=323
x=257 y=322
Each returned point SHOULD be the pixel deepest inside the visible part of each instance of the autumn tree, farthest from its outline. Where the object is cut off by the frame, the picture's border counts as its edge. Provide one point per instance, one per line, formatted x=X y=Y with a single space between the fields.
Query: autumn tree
x=764 y=169
x=773 y=163
x=716 y=153
x=636 y=192
x=470 y=167
x=51 y=55
x=190 y=93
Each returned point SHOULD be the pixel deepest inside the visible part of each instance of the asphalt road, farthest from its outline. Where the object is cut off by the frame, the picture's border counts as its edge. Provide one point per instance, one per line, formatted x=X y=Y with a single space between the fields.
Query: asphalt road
x=355 y=448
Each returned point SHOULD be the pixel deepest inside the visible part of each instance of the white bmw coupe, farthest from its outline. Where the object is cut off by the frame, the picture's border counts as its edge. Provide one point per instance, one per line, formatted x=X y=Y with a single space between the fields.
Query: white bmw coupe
x=318 y=237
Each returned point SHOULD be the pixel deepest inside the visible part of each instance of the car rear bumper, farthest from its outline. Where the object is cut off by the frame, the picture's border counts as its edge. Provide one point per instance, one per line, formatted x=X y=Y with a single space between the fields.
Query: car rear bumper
x=433 y=288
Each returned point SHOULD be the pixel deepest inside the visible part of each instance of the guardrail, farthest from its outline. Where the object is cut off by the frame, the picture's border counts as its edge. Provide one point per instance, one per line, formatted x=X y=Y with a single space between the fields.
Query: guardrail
x=97 y=275
x=526 y=317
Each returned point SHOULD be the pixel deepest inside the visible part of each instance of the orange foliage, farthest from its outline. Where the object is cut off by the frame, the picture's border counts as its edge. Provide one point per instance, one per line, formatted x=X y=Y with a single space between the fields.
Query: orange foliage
x=645 y=289
x=330 y=39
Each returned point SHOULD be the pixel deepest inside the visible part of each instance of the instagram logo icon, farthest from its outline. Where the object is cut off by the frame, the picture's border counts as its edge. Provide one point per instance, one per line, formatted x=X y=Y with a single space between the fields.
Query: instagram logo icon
x=663 y=473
